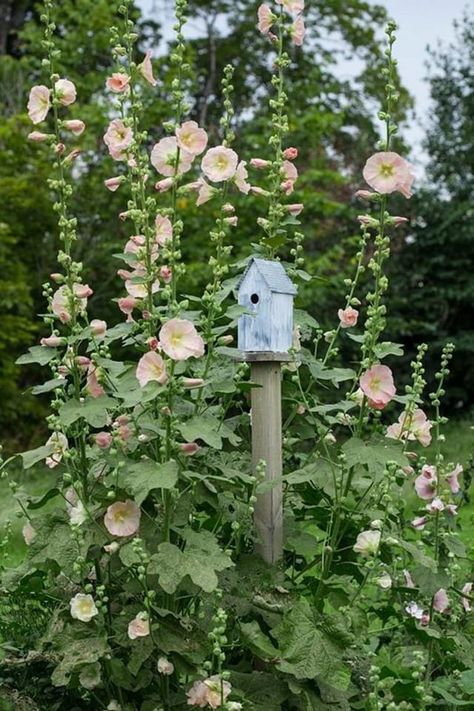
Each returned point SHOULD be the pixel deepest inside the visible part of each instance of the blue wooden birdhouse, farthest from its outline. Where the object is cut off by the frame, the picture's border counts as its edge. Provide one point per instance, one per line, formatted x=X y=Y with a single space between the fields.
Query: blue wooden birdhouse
x=266 y=290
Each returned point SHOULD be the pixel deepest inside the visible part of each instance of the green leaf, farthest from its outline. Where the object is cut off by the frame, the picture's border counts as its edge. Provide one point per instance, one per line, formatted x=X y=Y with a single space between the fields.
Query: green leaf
x=418 y=555
x=319 y=473
x=384 y=349
x=142 y=477
x=374 y=454
x=428 y=580
x=94 y=411
x=205 y=428
x=78 y=652
x=335 y=375
x=33 y=456
x=467 y=681
x=265 y=692
x=258 y=643
x=37 y=354
x=48 y=386
x=39 y=501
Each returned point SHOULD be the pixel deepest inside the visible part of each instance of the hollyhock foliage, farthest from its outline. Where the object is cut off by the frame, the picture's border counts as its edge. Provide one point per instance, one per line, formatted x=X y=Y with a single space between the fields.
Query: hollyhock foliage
x=144 y=537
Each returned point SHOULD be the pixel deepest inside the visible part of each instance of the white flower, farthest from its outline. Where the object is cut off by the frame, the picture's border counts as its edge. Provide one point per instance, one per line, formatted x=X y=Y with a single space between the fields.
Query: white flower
x=164 y=666
x=385 y=581
x=83 y=607
x=367 y=543
x=29 y=533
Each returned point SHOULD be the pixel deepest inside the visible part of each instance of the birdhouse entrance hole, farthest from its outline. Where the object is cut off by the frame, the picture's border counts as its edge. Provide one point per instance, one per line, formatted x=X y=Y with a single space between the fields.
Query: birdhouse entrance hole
x=254 y=298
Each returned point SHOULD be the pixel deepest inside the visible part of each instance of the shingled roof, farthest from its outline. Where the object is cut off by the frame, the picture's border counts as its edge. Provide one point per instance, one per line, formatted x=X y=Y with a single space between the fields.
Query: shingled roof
x=274 y=275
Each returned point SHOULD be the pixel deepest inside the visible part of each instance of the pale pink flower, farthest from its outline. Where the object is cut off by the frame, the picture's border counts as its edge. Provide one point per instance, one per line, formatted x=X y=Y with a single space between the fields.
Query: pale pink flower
x=180 y=340
x=367 y=543
x=298 y=31
x=189 y=448
x=259 y=163
x=418 y=427
x=436 y=505
x=166 y=274
x=137 y=289
x=93 y=387
x=114 y=183
x=122 y=518
x=414 y=610
x=397 y=221
x=240 y=178
x=118 y=138
x=83 y=362
x=387 y=172
x=293 y=6
x=52 y=341
x=191 y=138
x=98 y=327
x=103 y=439
x=60 y=444
x=425 y=483
x=378 y=386
x=467 y=590
x=164 y=157
x=39 y=103
x=205 y=192
x=441 y=601
x=232 y=221
x=76 y=126
x=348 y=317
x=151 y=366
x=265 y=19
x=228 y=208
x=82 y=291
x=295 y=209
x=75 y=508
x=118 y=82
x=38 y=136
x=163 y=230
x=408 y=579
x=146 y=69
x=289 y=171
x=209 y=692
x=29 y=533
x=139 y=627
x=219 y=164
x=163 y=185
x=290 y=153
x=83 y=607
x=197 y=695
x=365 y=194
x=191 y=383
x=164 y=666
x=452 y=478
x=65 y=92
x=126 y=306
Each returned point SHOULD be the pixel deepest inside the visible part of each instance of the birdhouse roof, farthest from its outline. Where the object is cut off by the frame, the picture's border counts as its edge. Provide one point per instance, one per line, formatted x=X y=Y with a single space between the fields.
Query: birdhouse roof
x=273 y=273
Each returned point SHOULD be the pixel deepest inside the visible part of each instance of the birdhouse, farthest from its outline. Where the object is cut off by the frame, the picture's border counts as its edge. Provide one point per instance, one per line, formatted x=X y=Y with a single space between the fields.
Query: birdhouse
x=266 y=290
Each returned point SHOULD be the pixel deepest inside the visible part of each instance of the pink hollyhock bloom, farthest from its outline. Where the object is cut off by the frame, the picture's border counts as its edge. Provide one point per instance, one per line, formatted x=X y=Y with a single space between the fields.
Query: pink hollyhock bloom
x=232 y=221
x=164 y=156
x=367 y=543
x=60 y=444
x=39 y=103
x=266 y=18
x=365 y=194
x=197 y=695
x=191 y=383
x=467 y=590
x=378 y=386
x=259 y=163
x=52 y=341
x=126 y=306
x=397 y=221
x=240 y=178
x=60 y=304
x=166 y=274
x=82 y=291
x=163 y=185
x=151 y=366
x=153 y=343
x=348 y=317
x=418 y=427
x=139 y=627
x=228 y=208
x=180 y=340
x=295 y=209
x=209 y=692
x=298 y=31
x=29 y=533
x=191 y=138
x=38 y=137
x=414 y=610
x=436 y=505
x=293 y=6
x=76 y=126
x=122 y=425
x=139 y=290
x=189 y=448
x=452 y=509
x=113 y=184
x=164 y=666
x=118 y=138
x=452 y=478
x=441 y=601
x=219 y=164
x=146 y=69
x=425 y=483
x=65 y=92
x=103 y=440
x=255 y=190
x=387 y=172
x=118 y=82
x=83 y=362
x=98 y=327
x=71 y=157
x=93 y=387
x=122 y=518
x=290 y=153
x=287 y=187
x=163 y=230
x=368 y=221
x=205 y=192
x=289 y=171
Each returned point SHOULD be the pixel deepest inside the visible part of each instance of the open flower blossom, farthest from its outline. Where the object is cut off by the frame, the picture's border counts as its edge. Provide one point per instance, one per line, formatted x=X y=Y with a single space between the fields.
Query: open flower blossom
x=146 y=69
x=219 y=164
x=414 y=427
x=436 y=505
x=209 y=692
x=60 y=444
x=419 y=522
x=114 y=183
x=385 y=581
x=61 y=301
x=39 y=103
x=118 y=82
x=164 y=157
x=240 y=178
x=293 y=6
x=103 y=440
x=426 y=482
x=29 y=533
x=122 y=518
x=164 y=666
x=65 y=92
x=118 y=138
x=93 y=387
x=348 y=317
x=139 y=626
x=298 y=31
x=266 y=18
x=441 y=600
x=75 y=508
x=163 y=229
x=467 y=590
x=151 y=366
x=452 y=478
x=83 y=607
x=191 y=138
x=205 y=192
x=414 y=610
x=367 y=543
x=98 y=327
x=387 y=172
x=180 y=340
x=378 y=386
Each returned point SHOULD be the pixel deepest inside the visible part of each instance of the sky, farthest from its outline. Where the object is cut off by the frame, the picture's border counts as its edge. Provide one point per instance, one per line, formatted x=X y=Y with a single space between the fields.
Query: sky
x=421 y=23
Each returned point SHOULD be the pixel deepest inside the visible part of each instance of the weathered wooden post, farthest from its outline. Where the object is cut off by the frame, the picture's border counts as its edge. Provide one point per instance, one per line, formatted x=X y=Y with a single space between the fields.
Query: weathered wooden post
x=264 y=340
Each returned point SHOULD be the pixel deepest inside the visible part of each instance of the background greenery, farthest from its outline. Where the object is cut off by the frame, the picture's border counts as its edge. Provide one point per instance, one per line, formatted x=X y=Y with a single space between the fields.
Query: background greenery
x=332 y=122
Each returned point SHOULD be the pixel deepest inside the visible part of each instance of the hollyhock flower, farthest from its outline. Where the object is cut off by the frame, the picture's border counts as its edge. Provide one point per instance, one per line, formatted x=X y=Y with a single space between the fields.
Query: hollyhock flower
x=76 y=126
x=122 y=424
x=52 y=341
x=146 y=69
x=417 y=427
x=452 y=478
x=397 y=221
x=98 y=327
x=378 y=386
x=163 y=185
x=240 y=178
x=189 y=448
x=259 y=163
x=93 y=387
x=219 y=164
x=126 y=306
x=266 y=18
x=217 y=688
x=451 y=509
x=191 y=138
x=295 y=209
x=414 y=610
x=122 y=518
x=118 y=82
x=197 y=695
x=290 y=153
x=365 y=194
x=114 y=183
x=436 y=505
x=29 y=533
x=368 y=221
x=297 y=31
x=387 y=172
x=65 y=92
x=118 y=138
x=348 y=317
x=232 y=221
x=425 y=483
x=75 y=507
x=139 y=627
x=205 y=192
x=367 y=543
x=39 y=103
x=82 y=291
x=60 y=444
x=180 y=340
x=38 y=137
x=163 y=230
x=83 y=607
x=288 y=187
x=289 y=171
x=293 y=6
x=255 y=190
x=164 y=666
x=191 y=383
x=467 y=590
x=166 y=274
x=408 y=579
x=441 y=601
x=139 y=290
x=385 y=581
x=151 y=366
x=228 y=208
x=71 y=157
x=164 y=155
x=103 y=439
